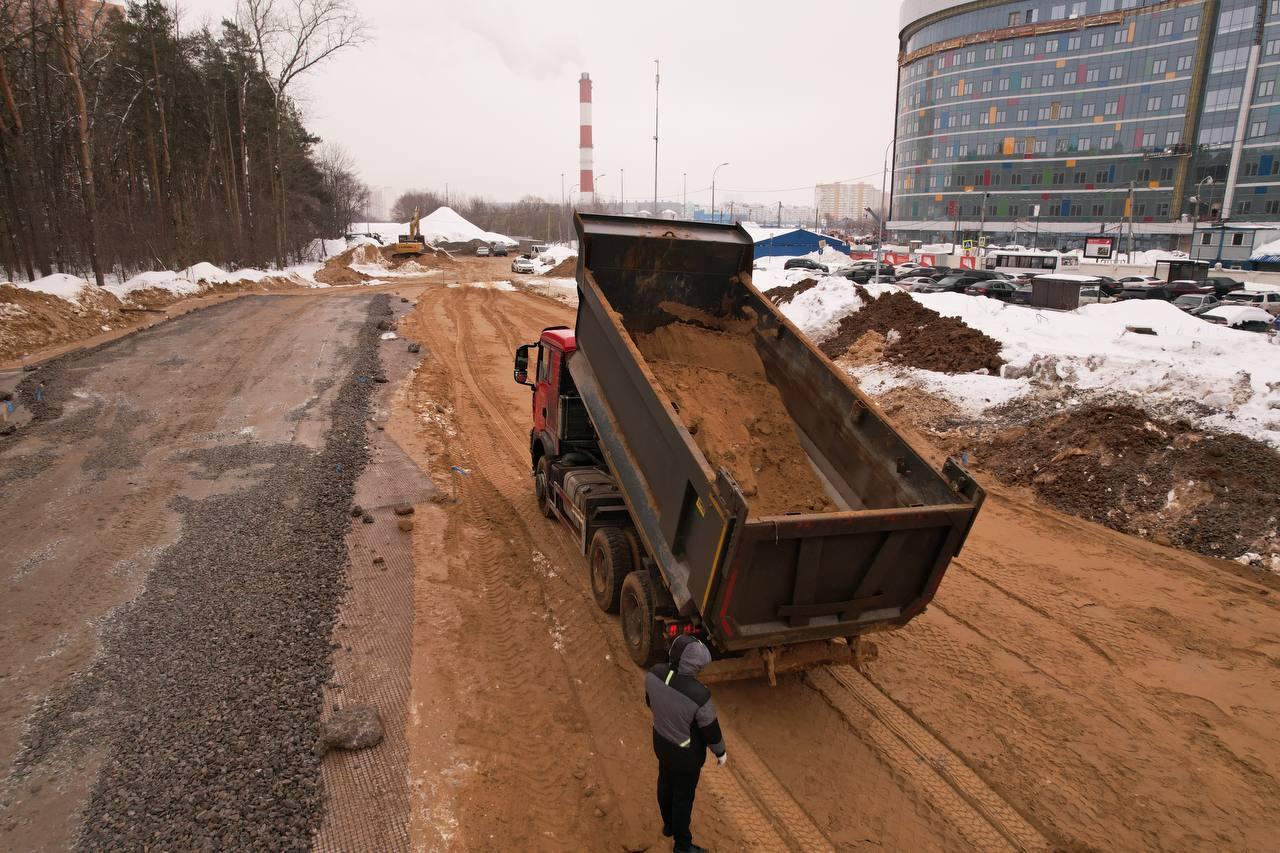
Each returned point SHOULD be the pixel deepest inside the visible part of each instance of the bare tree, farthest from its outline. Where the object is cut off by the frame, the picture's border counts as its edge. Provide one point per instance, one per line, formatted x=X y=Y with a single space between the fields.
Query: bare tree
x=71 y=56
x=290 y=38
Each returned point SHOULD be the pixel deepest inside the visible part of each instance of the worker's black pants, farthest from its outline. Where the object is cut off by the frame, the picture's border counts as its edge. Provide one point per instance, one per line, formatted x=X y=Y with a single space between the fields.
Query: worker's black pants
x=675 y=798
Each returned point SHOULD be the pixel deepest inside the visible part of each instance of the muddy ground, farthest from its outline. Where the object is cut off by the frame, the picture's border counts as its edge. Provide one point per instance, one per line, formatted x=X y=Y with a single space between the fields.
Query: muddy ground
x=1071 y=687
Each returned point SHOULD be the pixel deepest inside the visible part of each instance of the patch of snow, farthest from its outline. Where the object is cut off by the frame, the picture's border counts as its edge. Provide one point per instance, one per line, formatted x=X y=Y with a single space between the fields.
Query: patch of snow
x=61 y=285
x=388 y=336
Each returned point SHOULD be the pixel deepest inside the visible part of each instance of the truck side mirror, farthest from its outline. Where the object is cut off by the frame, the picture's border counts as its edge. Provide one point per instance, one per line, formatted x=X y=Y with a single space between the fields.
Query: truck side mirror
x=522 y=365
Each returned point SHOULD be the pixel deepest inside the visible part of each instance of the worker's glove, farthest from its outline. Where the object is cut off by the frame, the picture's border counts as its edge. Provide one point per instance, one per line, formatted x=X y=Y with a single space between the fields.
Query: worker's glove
x=722 y=758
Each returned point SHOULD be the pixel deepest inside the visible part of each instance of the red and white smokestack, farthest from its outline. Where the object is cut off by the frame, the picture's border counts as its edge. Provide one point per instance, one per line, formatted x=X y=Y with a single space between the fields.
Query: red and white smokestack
x=586 y=174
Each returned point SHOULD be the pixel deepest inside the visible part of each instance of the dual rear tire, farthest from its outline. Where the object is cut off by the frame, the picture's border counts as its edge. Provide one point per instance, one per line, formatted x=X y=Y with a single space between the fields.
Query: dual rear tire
x=618 y=587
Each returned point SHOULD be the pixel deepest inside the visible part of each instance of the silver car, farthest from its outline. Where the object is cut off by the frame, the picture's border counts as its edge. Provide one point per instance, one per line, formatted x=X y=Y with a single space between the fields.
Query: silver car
x=522 y=264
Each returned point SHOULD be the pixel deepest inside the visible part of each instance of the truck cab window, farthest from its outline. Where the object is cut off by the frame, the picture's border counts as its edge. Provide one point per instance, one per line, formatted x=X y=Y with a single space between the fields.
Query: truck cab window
x=544 y=363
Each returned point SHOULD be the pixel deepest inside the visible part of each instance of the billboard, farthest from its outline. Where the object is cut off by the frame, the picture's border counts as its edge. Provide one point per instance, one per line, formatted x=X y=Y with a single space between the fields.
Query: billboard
x=1099 y=247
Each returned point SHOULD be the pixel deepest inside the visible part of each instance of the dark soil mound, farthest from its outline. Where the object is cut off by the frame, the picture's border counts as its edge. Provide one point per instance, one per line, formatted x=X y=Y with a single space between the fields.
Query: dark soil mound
x=1217 y=494
x=925 y=339
x=783 y=295
x=568 y=268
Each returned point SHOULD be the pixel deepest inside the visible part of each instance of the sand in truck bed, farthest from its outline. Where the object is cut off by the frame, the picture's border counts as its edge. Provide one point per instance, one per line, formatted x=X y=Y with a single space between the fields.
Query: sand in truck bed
x=717 y=382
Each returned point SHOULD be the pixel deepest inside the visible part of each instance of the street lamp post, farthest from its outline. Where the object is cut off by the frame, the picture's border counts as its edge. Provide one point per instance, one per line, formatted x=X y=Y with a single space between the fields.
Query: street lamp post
x=713 y=191
x=684 y=196
x=595 y=189
x=1198 y=199
x=623 y=181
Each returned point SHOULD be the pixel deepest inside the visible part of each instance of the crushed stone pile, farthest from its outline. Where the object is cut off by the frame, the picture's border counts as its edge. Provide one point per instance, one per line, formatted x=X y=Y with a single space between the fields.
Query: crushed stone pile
x=916 y=336
x=783 y=295
x=1214 y=493
x=716 y=381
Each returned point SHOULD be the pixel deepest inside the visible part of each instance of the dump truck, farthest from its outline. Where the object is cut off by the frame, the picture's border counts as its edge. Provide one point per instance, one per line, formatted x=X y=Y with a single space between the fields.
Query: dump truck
x=721 y=475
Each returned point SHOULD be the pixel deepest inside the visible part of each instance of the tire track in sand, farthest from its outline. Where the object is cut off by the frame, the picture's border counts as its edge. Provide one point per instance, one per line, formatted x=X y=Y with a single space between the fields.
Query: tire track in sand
x=982 y=817
x=762 y=813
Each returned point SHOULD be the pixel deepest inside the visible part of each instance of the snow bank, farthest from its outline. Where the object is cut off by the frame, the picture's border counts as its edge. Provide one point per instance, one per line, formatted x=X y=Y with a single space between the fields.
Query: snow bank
x=446 y=225
x=818 y=310
x=59 y=284
x=159 y=280
x=1234 y=373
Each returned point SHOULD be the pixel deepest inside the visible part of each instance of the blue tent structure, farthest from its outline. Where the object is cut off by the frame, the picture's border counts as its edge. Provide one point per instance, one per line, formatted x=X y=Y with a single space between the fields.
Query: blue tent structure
x=800 y=241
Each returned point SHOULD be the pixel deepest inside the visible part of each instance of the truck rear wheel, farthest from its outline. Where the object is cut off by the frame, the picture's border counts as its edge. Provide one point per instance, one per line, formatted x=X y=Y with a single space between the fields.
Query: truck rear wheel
x=637 y=608
x=610 y=563
x=542 y=486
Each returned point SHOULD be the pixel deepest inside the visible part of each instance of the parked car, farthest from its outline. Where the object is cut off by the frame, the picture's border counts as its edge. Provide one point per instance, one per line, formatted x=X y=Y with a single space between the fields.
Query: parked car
x=499 y=251
x=1187 y=287
x=1094 y=296
x=912 y=280
x=1109 y=285
x=906 y=268
x=1022 y=294
x=1267 y=300
x=1144 y=290
x=949 y=284
x=522 y=264
x=882 y=279
x=1140 y=279
x=1222 y=285
x=804 y=264
x=1242 y=317
x=482 y=251
x=993 y=289
x=1194 y=303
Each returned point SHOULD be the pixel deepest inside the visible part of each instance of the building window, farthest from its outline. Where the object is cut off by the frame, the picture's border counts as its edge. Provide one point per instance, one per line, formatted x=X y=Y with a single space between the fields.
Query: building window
x=1057 y=13
x=995 y=179
x=1078 y=8
x=1042 y=146
x=1192 y=22
x=1080 y=178
x=1266 y=88
x=1006 y=51
x=1084 y=144
x=989 y=54
x=1066 y=112
x=1036 y=177
x=1250 y=170
x=1206 y=239
x=1166 y=29
x=1000 y=116
x=1143 y=175
x=1087 y=110
x=1140 y=209
x=1166 y=173
x=1178 y=101
x=963 y=151
x=1026 y=81
x=1043 y=114
x=1216 y=135
x=951 y=151
x=1153 y=104
x=1061 y=146
x=1100 y=178
x=1097 y=209
x=982 y=149
x=1068 y=78
x=1097 y=39
x=1218 y=100
x=1029 y=48
x=1162 y=210
x=1106 y=143
x=1015 y=19
x=1051 y=46
x=1024 y=115
x=1091 y=75
x=1004 y=84
x=1016 y=179
x=1257 y=128
x=1149 y=140
x=1159 y=66
x=1046 y=79
x=1273 y=206
x=1116 y=72
x=1110 y=108
x=965 y=120
x=946 y=180
x=1073 y=43
x=1013 y=210
x=1059 y=178
x=1074 y=210
x=951 y=121
x=986 y=87
x=1184 y=63
x=971 y=57
x=1235 y=20
x=1229 y=60
x=1118 y=37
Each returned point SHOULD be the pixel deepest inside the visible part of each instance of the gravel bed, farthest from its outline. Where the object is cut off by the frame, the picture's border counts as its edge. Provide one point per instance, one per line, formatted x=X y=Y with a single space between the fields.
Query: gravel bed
x=206 y=693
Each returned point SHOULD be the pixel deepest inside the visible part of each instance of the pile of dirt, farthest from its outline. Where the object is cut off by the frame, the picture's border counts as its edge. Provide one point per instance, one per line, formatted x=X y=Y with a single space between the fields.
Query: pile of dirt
x=783 y=295
x=716 y=381
x=916 y=336
x=337 y=271
x=1214 y=493
x=431 y=259
x=568 y=268
x=30 y=321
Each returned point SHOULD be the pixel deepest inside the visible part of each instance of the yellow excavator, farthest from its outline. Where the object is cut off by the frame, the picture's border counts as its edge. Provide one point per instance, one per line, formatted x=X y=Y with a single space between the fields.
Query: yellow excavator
x=412 y=243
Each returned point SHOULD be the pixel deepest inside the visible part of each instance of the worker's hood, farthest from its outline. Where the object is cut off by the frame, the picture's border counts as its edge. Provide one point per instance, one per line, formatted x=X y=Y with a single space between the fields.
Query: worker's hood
x=689 y=655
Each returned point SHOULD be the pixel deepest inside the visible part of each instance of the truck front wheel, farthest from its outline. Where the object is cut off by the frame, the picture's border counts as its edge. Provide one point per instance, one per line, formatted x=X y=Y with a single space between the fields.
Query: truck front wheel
x=610 y=559
x=637 y=609
x=542 y=486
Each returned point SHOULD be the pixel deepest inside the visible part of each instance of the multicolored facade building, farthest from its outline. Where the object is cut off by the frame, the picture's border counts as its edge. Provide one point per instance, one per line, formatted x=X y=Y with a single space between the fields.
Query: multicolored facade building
x=1049 y=121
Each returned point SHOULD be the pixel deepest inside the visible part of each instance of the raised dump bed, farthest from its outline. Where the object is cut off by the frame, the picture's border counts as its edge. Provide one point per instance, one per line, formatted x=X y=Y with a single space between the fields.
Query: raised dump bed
x=775 y=502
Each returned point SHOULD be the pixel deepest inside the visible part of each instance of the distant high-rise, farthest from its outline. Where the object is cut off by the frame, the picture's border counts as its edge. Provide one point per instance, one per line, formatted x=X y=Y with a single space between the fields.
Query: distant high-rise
x=847 y=201
x=586 y=174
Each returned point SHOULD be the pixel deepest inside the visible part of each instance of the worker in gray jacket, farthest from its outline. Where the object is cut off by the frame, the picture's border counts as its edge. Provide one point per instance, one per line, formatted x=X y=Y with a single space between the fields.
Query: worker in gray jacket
x=684 y=728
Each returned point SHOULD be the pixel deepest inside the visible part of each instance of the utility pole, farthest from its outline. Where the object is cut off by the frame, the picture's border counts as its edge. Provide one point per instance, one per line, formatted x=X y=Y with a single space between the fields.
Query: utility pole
x=624 y=190
x=730 y=222
x=779 y=214
x=684 y=197
x=1131 y=222
x=982 y=225
x=656 y=68
x=560 y=214
x=713 y=191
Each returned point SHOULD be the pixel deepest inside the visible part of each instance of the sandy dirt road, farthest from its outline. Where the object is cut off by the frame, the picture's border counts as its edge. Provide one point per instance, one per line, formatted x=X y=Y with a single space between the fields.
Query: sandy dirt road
x=1070 y=687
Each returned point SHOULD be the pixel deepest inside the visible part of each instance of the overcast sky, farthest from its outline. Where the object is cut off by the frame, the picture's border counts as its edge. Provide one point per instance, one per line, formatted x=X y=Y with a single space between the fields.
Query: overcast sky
x=484 y=95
